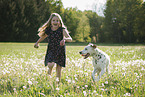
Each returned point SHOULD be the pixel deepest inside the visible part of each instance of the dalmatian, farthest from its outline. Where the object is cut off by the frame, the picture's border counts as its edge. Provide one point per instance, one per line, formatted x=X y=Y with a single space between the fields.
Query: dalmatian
x=100 y=60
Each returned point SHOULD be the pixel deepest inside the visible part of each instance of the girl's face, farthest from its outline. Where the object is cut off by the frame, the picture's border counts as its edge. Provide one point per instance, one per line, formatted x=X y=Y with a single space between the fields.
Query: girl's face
x=55 y=22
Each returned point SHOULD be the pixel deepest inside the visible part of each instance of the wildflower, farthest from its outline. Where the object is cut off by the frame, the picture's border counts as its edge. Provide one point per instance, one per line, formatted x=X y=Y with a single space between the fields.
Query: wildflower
x=73 y=81
x=32 y=79
x=68 y=94
x=102 y=89
x=95 y=91
x=106 y=82
x=136 y=74
x=102 y=84
x=127 y=94
x=57 y=89
x=42 y=94
x=24 y=87
x=30 y=82
x=49 y=76
x=87 y=74
x=96 y=94
x=86 y=86
x=85 y=93
x=35 y=82
x=75 y=75
x=66 y=76
x=69 y=81
x=14 y=89
x=142 y=69
x=57 y=79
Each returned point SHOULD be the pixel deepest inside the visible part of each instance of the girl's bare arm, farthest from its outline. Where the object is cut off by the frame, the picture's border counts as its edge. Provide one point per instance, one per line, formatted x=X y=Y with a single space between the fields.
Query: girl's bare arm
x=39 y=40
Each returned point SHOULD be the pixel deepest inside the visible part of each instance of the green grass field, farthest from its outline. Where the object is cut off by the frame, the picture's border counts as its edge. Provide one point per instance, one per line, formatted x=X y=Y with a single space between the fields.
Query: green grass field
x=23 y=74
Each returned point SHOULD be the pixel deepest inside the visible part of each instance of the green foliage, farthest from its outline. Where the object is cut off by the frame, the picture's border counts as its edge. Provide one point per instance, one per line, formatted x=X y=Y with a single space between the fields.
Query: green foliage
x=83 y=29
x=20 y=19
x=24 y=74
x=139 y=29
x=123 y=21
x=121 y=18
x=95 y=23
x=71 y=19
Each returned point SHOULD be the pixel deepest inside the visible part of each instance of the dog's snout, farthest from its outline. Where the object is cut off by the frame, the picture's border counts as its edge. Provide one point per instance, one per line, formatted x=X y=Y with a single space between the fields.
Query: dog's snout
x=80 y=52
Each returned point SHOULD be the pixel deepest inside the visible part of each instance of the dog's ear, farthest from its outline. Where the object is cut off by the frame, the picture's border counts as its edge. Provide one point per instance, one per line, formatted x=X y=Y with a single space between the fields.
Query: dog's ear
x=94 y=46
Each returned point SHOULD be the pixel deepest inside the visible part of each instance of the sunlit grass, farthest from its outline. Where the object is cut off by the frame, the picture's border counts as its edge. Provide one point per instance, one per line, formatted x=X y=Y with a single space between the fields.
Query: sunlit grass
x=24 y=74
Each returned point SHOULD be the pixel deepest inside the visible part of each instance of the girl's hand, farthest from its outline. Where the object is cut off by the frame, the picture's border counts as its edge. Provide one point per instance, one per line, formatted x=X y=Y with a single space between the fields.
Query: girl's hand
x=62 y=42
x=36 y=45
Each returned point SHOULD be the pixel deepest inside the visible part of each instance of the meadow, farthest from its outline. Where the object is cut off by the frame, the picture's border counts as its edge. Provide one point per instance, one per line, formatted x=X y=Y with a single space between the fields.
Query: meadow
x=23 y=74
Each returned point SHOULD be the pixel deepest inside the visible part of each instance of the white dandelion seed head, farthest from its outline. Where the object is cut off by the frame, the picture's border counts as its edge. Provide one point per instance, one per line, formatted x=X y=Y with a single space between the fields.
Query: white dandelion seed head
x=86 y=86
x=30 y=82
x=57 y=79
x=57 y=89
x=14 y=89
x=85 y=93
x=69 y=81
x=106 y=82
x=73 y=81
x=24 y=87
x=94 y=91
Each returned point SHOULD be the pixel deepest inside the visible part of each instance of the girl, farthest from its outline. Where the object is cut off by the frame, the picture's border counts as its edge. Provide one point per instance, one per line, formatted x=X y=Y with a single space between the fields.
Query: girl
x=57 y=34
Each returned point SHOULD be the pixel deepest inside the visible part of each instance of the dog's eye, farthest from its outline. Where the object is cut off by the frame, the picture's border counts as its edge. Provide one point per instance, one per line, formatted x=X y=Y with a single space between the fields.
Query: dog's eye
x=86 y=49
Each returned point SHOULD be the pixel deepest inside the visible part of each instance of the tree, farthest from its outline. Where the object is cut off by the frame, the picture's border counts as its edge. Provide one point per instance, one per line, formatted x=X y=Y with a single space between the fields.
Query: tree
x=71 y=20
x=95 y=23
x=139 y=26
x=119 y=20
x=20 y=19
x=83 y=29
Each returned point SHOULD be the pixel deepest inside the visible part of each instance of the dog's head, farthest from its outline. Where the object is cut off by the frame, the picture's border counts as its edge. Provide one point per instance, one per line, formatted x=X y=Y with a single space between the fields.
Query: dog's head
x=88 y=50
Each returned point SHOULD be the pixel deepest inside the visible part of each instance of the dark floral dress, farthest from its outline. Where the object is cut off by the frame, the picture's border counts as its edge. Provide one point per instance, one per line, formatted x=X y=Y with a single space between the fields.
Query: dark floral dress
x=55 y=52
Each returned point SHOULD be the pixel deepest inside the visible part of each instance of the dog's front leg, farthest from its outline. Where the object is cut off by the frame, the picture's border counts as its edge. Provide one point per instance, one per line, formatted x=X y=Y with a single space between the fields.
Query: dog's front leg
x=107 y=70
x=93 y=75
x=98 y=77
x=102 y=72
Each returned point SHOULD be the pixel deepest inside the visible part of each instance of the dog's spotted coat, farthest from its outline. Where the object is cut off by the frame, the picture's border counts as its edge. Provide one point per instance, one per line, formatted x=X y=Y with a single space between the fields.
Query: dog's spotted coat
x=100 y=60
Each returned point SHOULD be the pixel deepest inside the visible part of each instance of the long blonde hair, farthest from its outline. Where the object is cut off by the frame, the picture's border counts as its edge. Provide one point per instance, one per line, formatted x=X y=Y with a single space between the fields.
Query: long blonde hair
x=41 y=30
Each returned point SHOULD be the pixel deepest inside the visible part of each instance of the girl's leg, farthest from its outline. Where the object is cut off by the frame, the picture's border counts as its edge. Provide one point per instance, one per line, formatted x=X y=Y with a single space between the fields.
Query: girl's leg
x=58 y=72
x=50 y=66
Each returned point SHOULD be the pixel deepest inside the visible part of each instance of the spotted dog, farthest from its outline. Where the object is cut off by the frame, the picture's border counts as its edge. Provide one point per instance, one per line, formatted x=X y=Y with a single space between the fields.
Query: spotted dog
x=100 y=60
